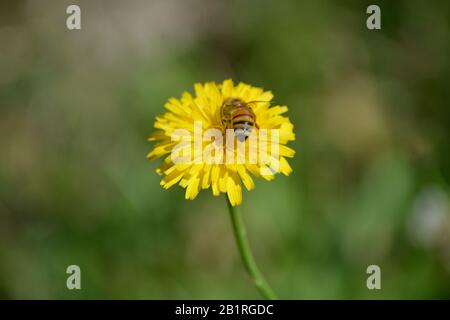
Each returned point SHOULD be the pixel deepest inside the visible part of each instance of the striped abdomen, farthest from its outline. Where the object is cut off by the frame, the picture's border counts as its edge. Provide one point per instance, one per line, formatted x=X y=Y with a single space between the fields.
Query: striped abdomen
x=242 y=118
x=237 y=115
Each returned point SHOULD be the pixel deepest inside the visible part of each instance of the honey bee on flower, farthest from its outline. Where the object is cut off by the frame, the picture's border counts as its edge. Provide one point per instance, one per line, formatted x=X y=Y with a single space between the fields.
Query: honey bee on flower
x=219 y=136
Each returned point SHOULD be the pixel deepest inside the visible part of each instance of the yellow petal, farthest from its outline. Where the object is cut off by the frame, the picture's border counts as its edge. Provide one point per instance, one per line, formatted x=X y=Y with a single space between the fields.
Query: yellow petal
x=246 y=179
x=285 y=151
x=227 y=88
x=234 y=191
x=193 y=188
x=285 y=168
x=171 y=179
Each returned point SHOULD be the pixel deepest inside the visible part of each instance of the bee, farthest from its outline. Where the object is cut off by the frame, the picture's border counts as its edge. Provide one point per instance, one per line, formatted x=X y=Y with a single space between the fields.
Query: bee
x=238 y=115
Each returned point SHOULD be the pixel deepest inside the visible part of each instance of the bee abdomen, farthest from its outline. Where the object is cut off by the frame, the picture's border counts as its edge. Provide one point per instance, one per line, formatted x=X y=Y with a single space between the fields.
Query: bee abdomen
x=243 y=116
x=242 y=124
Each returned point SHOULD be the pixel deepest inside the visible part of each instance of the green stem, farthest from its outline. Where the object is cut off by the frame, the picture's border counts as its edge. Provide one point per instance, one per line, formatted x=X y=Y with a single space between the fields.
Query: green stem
x=246 y=254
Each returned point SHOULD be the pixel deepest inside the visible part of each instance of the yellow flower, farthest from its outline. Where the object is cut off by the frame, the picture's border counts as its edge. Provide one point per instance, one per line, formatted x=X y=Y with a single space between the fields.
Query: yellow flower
x=209 y=167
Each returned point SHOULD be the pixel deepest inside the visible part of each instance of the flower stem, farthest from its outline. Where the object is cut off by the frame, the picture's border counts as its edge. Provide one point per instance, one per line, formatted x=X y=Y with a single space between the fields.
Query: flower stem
x=246 y=254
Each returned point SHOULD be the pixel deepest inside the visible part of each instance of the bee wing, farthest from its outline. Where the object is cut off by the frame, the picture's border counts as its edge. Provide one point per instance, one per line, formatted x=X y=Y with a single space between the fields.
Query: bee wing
x=259 y=101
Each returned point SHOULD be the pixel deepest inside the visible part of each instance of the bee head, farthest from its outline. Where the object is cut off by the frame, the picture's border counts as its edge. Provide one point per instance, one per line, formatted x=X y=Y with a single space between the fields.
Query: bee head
x=233 y=102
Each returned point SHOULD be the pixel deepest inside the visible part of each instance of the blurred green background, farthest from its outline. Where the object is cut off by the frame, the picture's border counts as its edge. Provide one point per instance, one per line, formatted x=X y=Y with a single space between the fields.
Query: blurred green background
x=370 y=182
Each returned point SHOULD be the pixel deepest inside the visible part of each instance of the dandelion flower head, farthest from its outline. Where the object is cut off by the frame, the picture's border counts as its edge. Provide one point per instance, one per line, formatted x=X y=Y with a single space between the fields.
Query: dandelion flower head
x=209 y=165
